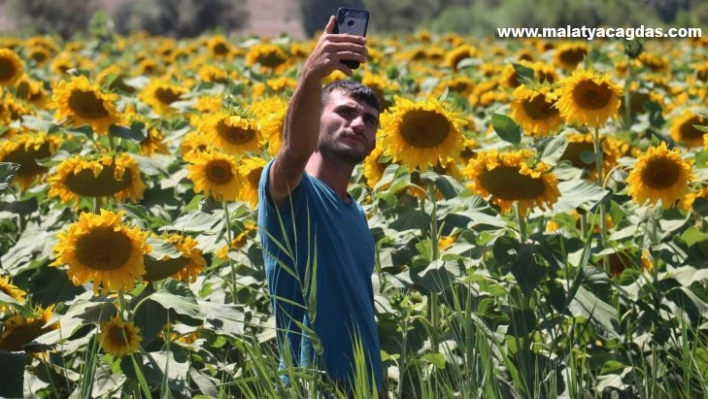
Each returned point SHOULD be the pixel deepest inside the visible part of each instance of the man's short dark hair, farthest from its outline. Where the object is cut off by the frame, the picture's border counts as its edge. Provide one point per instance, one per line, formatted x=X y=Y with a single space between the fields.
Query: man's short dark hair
x=354 y=90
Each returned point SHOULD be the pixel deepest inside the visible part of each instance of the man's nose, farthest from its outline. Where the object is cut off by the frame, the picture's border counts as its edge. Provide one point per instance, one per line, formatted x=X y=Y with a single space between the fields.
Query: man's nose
x=358 y=123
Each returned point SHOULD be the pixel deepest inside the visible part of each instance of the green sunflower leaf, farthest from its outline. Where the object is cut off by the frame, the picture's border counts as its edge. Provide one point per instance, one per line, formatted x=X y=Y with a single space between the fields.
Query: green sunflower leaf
x=8 y=170
x=12 y=376
x=524 y=72
x=552 y=149
x=135 y=132
x=506 y=128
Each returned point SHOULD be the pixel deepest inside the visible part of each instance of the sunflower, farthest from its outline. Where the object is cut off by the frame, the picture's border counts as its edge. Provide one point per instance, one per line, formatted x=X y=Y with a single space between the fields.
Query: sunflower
x=31 y=91
x=231 y=133
x=39 y=54
x=154 y=143
x=660 y=174
x=117 y=176
x=101 y=249
x=215 y=174
x=622 y=259
x=120 y=338
x=208 y=104
x=684 y=131
x=535 y=111
x=239 y=241
x=80 y=102
x=114 y=79
x=421 y=134
x=569 y=55
x=250 y=169
x=589 y=99
x=26 y=150
x=10 y=290
x=12 y=109
x=654 y=62
x=219 y=47
x=160 y=94
x=185 y=267
x=463 y=85
x=270 y=57
x=66 y=61
x=507 y=178
x=373 y=169
x=21 y=330
x=148 y=67
x=192 y=144
x=459 y=53
x=509 y=76
x=583 y=143
x=270 y=114
x=212 y=73
x=10 y=67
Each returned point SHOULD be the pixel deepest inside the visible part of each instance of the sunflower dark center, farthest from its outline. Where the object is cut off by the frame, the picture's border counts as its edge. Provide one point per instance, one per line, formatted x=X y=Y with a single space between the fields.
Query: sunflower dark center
x=702 y=75
x=590 y=95
x=539 y=108
x=166 y=95
x=271 y=59
x=506 y=183
x=424 y=129
x=23 y=90
x=221 y=49
x=156 y=270
x=103 y=248
x=87 y=105
x=27 y=159
x=572 y=153
x=15 y=338
x=219 y=171
x=545 y=77
x=104 y=184
x=572 y=56
x=688 y=130
x=235 y=134
x=7 y=69
x=39 y=56
x=120 y=336
x=660 y=173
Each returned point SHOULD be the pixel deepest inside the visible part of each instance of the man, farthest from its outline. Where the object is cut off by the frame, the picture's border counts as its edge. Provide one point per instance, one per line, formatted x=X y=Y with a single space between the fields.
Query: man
x=318 y=249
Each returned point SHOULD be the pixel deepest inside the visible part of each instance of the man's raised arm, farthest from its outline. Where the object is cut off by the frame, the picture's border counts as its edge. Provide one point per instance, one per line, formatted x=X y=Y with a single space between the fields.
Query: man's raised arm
x=301 y=129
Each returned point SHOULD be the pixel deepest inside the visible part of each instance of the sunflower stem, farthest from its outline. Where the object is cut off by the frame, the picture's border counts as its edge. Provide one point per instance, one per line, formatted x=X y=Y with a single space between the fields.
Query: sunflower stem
x=229 y=234
x=433 y=299
x=597 y=146
x=627 y=96
x=123 y=304
x=432 y=192
x=520 y=222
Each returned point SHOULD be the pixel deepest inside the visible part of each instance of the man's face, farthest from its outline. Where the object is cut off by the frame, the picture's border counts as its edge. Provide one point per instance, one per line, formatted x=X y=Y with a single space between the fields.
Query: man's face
x=348 y=128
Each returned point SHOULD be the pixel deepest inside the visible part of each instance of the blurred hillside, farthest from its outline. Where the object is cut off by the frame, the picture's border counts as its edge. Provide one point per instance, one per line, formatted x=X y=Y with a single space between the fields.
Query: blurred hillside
x=300 y=18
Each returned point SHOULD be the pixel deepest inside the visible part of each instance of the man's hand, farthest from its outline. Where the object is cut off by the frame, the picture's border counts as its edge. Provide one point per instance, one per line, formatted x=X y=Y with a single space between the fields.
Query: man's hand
x=330 y=50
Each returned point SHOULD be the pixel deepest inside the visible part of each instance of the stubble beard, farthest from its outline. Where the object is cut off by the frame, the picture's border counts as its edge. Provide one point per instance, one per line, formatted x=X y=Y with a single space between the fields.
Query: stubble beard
x=330 y=147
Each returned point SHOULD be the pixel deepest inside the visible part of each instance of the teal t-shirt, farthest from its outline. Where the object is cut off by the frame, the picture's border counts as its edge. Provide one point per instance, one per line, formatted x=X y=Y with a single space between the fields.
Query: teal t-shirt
x=316 y=227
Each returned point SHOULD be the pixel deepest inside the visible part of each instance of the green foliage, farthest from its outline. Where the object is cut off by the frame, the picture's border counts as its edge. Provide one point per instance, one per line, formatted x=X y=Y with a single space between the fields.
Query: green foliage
x=181 y=18
x=482 y=17
x=50 y=16
x=316 y=13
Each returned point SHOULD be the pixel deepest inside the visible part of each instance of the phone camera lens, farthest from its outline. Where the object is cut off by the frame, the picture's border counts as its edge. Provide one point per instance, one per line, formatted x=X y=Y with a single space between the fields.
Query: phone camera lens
x=350 y=22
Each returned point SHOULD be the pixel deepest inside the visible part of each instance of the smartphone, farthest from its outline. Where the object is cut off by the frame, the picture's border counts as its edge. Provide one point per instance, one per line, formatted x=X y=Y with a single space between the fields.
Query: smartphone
x=352 y=21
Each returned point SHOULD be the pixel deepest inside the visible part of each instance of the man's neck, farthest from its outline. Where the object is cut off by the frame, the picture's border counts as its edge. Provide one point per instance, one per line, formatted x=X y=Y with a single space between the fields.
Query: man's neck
x=333 y=172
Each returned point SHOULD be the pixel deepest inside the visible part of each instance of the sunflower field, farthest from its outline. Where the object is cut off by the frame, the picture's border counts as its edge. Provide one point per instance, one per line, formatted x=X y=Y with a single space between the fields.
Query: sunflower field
x=539 y=207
